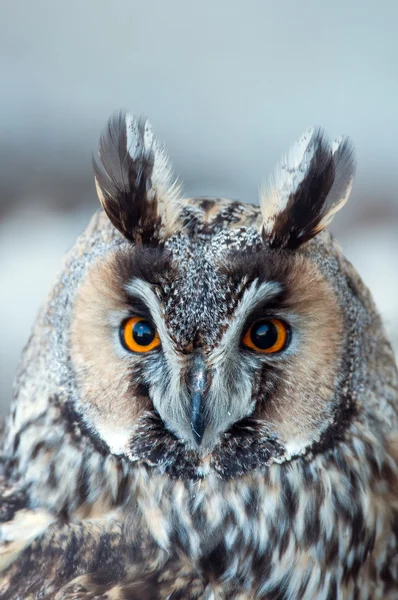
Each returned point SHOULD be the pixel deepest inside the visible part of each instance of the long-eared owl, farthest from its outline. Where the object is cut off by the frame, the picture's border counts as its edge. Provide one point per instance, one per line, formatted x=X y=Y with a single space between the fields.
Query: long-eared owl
x=207 y=407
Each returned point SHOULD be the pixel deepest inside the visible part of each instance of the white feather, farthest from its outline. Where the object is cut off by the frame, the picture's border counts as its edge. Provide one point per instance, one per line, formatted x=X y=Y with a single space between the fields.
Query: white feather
x=165 y=184
x=286 y=180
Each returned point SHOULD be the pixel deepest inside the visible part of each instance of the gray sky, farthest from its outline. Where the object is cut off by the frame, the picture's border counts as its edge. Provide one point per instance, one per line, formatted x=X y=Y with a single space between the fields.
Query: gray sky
x=228 y=84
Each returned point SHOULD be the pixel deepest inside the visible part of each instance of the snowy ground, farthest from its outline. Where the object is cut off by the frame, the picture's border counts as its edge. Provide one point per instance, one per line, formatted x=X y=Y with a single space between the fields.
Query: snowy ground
x=32 y=243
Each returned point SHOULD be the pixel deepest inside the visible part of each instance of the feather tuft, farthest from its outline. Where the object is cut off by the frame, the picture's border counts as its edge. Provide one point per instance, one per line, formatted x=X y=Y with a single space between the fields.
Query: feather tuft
x=135 y=181
x=311 y=184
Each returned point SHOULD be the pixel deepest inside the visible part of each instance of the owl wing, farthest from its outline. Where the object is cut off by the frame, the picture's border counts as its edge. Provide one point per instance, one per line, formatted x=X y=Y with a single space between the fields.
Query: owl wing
x=87 y=560
x=62 y=560
x=19 y=525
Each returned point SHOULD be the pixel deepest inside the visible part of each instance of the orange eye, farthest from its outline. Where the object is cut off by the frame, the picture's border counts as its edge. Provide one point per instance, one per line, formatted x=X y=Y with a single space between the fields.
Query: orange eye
x=139 y=335
x=267 y=336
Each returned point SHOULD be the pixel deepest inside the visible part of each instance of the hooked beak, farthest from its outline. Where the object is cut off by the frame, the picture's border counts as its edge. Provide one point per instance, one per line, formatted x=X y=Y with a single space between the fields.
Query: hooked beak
x=197 y=389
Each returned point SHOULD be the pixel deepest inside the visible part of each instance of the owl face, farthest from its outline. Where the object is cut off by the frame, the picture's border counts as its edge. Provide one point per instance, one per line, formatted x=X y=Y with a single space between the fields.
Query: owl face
x=213 y=334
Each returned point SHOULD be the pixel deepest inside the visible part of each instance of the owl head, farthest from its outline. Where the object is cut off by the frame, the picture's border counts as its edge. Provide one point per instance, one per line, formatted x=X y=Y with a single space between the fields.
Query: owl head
x=208 y=334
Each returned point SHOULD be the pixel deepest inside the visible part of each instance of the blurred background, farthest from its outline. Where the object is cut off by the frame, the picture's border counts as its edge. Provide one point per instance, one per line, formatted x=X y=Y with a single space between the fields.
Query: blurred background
x=228 y=85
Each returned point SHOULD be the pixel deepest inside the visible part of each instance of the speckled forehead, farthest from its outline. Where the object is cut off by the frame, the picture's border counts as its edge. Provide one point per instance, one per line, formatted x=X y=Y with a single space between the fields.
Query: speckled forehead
x=201 y=296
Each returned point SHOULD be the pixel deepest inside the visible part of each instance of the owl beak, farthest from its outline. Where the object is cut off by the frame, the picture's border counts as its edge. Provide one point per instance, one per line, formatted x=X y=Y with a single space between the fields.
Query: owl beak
x=197 y=389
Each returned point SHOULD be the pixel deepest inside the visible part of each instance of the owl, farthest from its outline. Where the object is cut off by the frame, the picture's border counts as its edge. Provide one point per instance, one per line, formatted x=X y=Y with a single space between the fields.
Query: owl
x=207 y=407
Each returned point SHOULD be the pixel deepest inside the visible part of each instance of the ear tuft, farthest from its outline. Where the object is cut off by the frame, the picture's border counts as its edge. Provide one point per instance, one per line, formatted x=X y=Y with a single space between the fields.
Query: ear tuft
x=312 y=183
x=134 y=180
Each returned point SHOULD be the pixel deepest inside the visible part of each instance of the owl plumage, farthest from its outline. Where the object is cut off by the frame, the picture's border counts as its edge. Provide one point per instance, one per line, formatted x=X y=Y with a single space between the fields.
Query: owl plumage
x=208 y=404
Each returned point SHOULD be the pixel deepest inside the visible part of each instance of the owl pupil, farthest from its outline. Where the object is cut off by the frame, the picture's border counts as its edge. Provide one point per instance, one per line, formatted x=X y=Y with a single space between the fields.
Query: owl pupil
x=264 y=335
x=143 y=333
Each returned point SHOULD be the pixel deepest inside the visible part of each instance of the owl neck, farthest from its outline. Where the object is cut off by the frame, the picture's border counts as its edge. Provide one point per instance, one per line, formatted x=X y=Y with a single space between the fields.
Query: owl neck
x=70 y=472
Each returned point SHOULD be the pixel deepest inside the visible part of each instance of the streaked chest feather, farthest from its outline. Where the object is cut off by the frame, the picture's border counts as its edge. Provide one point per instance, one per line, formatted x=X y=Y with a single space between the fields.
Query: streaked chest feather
x=303 y=530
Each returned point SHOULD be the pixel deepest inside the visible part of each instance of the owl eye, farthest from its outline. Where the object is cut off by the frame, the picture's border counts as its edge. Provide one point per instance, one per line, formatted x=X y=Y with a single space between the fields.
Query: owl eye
x=267 y=336
x=139 y=335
